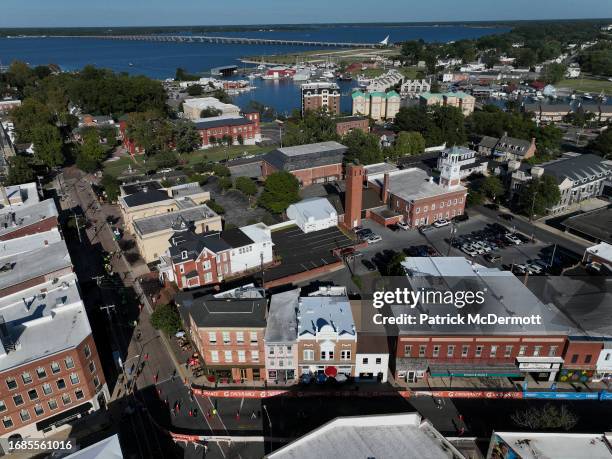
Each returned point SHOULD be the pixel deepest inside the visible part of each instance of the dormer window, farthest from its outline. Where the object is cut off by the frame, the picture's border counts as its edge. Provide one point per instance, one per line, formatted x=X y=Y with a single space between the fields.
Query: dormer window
x=184 y=254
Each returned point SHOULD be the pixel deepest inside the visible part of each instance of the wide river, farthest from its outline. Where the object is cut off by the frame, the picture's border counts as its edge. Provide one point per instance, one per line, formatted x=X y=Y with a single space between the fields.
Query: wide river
x=160 y=60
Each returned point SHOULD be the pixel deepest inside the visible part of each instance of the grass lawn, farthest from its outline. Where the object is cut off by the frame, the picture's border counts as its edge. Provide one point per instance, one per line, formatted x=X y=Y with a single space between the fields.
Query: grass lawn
x=587 y=85
x=219 y=153
x=120 y=166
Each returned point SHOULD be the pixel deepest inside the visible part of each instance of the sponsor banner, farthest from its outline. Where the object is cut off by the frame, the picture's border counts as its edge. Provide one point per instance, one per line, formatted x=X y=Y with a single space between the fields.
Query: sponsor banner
x=186 y=438
x=240 y=393
x=563 y=395
x=468 y=394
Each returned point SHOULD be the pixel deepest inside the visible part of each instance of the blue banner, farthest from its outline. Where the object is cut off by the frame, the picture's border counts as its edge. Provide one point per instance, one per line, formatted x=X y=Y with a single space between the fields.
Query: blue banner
x=568 y=395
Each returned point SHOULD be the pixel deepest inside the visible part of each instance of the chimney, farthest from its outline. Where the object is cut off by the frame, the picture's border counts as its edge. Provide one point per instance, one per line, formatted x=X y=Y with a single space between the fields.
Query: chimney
x=385 y=189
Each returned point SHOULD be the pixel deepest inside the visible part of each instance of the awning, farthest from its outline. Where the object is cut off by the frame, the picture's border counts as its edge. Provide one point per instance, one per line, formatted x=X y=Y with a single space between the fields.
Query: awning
x=331 y=372
x=475 y=371
x=63 y=417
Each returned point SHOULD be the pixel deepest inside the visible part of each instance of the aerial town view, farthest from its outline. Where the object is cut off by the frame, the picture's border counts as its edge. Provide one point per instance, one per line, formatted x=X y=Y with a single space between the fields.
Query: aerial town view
x=295 y=230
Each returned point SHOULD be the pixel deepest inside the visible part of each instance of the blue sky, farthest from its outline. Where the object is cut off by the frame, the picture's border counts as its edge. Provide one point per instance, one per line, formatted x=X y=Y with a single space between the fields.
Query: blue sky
x=26 y=13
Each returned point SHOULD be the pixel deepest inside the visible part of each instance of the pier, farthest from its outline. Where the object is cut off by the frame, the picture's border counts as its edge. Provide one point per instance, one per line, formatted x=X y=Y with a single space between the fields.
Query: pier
x=229 y=40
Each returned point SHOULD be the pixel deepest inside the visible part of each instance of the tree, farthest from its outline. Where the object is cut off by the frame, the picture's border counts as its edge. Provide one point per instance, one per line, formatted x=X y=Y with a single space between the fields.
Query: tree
x=548 y=139
x=151 y=130
x=362 y=148
x=526 y=57
x=215 y=207
x=553 y=73
x=209 y=112
x=222 y=96
x=280 y=191
x=167 y=319
x=240 y=139
x=182 y=75
x=20 y=171
x=540 y=194
x=492 y=187
x=165 y=159
x=313 y=127
x=224 y=183
x=437 y=124
x=110 y=186
x=246 y=186
x=408 y=143
x=91 y=152
x=394 y=267
x=48 y=145
x=194 y=90
x=602 y=145
x=30 y=114
x=474 y=198
x=548 y=417
x=186 y=136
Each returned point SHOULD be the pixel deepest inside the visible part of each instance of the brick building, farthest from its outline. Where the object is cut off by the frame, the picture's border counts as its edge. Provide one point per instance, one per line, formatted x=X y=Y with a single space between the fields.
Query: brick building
x=243 y=130
x=321 y=95
x=50 y=372
x=348 y=124
x=228 y=333
x=312 y=163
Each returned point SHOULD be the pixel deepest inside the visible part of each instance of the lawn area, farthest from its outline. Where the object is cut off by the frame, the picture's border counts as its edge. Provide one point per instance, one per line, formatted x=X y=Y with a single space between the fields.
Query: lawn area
x=587 y=85
x=120 y=166
x=219 y=153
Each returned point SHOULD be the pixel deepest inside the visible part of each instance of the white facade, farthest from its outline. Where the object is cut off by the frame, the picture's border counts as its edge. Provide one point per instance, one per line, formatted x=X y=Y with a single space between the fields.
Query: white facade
x=372 y=364
x=313 y=214
x=255 y=254
x=462 y=160
x=415 y=87
x=192 y=108
x=603 y=368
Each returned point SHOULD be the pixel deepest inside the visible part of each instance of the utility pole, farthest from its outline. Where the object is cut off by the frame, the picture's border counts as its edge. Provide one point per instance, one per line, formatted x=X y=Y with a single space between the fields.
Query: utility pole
x=76 y=221
x=108 y=308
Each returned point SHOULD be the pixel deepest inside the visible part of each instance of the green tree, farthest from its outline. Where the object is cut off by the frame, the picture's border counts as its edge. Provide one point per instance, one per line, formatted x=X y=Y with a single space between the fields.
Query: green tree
x=186 y=136
x=194 y=90
x=602 y=145
x=91 y=152
x=280 y=191
x=362 y=148
x=222 y=96
x=164 y=159
x=209 y=112
x=151 y=130
x=315 y=126
x=526 y=57
x=553 y=73
x=394 y=267
x=32 y=113
x=224 y=183
x=48 y=145
x=110 y=186
x=246 y=186
x=492 y=187
x=474 y=198
x=408 y=143
x=166 y=318
x=20 y=171
x=182 y=75
x=215 y=207
x=535 y=197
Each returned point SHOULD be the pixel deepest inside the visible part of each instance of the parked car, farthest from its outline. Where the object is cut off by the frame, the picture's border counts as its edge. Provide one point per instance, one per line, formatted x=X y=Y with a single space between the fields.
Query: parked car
x=492 y=257
x=373 y=238
x=364 y=233
x=441 y=223
x=468 y=250
x=512 y=238
x=507 y=217
x=425 y=229
x=369 y=265
x=403 y=226
x=461 y=218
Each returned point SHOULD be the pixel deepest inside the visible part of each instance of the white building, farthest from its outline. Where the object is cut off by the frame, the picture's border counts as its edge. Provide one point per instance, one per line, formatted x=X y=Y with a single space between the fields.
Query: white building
x=464 y=159
x=255 y=254
x=414 y=87
x=372 y=361
x=313 y=214
x=603 y=367
x=280 y=338
x=573 y=71
x=18 y=195
x=192 y=108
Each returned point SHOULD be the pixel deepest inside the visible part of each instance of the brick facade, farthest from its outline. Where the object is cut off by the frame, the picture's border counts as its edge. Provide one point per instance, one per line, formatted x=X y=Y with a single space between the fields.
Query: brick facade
x=311 y=175
x=250 y=131
x=41 y=226
x=344 y=126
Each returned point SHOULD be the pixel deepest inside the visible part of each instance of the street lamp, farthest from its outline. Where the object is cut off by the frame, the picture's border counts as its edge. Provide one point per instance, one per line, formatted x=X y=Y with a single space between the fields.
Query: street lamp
x=453 y=231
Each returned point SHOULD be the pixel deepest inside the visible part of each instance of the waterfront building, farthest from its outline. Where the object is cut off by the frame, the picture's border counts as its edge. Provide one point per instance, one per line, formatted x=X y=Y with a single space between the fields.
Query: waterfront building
x=461 y=100
x=243 y=129
x=376 y=105
x=321 y=95
x=413 y=88
x=547 y=113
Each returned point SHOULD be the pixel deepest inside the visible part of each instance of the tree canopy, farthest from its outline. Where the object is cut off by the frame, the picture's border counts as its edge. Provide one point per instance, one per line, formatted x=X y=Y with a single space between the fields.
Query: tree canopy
x=407 y=143
x=436 y=124
x=186 y=136
x=362 y=148
x=538 y=195
x=167 y=319
x=315 y=126
x=280 y=191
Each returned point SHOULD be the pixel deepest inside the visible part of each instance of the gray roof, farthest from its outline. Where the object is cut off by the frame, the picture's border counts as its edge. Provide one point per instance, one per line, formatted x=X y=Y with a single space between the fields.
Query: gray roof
x=411 y=184
x=148 y=196
x=597 y=224
x=488 y=142
x=513 y=145
x=315 y=312
x=22 y=216
x=306 y=156
x=209 y=312
x=577 y=168
x=165 y=221
x=132 y=188
x=222 y=122
x=282 y=317
x=504 y=295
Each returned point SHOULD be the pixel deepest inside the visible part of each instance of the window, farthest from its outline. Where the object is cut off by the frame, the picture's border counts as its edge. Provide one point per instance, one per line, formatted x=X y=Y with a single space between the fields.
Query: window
x=17 y=399
x=61 y=384
x=607 y=356
x=46 y=388
x=41 y=373
x=26 y=377
x=537 y=350
x=52 y=404
x=493 y=351
x=92 y=367
x=425 y=208
x=241 y=356
x=214 y=356
x=24 y=415
x=55 y=367
x=378 y=360
x=79 y=394
x=226 y=337
x=87 y=351
x=508 y=351
x=422 y=349
x=2 y=406
x=66 y=399
x=96 y=382
x=575 y=358
x=433 y=206
x=253 y=337
x=450 y=350
x=69 y=362
x=206 y=265
x=522 y=350
x=436 y=351
x=587 y=358
x=408 y=350
x=418 y=210
x=38 y=410
x=308 y=354
x=7 y=422
x=240 y=337
x=212 y=337
x=11 y=383
x=464 y=350
x=32 y=394
x=184 y=254
x=364 y=361
x=74 y=378
x=345 y=355
x=327 y=355
x=552 y=351
x=255 y=356
x=227 y=355
x=479 y=351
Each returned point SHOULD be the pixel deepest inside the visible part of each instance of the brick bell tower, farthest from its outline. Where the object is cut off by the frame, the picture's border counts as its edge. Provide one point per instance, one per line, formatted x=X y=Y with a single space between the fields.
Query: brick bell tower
x=353 y=196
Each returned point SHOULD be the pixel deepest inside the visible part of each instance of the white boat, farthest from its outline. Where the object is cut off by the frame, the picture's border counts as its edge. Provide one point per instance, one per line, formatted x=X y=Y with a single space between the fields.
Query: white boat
x=586 y=95
x=363 y=81
x=302 y=75
x=329 y=74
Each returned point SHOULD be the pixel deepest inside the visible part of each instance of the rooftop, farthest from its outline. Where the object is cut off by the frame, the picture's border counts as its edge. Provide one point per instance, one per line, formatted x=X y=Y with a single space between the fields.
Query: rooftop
x=204 y=102
x=379 y=168
x=23 y=244
x=165 y=221
x=19 y=195
x=221 y=121
x=133 y=188
x=412 y=184
x=578 y=168
x=596 y=223
x=20 y=217
x=315 y=208
x=534 y=445
x=282 y=317
x=389 y=436
x=210 y=312
x=325 y=314
x=306 y=156
x=33 y=320
x=144 y=197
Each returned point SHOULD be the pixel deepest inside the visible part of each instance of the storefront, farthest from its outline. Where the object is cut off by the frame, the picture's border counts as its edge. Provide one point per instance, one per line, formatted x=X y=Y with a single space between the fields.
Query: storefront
x=281 y=376
x=474 y=371
x=410 y=370
x=541 y=368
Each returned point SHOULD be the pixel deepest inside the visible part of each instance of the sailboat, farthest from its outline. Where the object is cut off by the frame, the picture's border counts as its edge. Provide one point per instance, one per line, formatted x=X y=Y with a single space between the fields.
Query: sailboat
x=385 y=42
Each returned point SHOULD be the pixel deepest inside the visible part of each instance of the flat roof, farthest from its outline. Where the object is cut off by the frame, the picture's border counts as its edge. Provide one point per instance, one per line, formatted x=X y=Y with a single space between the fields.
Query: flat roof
x=413 y=184
x=22 y=216
x=504 y=296
x=389 y=436
x=311 y=148
x=559 y=445
x=602 y=250
x=221 y=121
x=209 y=312
x=380 y=168
x=597 y=224
x=144 y=197
x=282 y=317
x=23 y=244
x=165 y=221
x=43 y=324
x=321 y=314
x=317 y=208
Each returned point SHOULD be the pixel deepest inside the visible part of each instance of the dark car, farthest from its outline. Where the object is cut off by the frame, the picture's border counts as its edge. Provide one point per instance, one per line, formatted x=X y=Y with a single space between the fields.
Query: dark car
x=507 y=217
x=492 y=257
x=394 y=227
x=461 y=218
x=369 y=265
x=492 y=206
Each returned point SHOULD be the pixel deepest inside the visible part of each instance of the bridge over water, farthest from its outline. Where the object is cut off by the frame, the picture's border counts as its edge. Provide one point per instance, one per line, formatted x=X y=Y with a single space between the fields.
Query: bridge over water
x=229 y=40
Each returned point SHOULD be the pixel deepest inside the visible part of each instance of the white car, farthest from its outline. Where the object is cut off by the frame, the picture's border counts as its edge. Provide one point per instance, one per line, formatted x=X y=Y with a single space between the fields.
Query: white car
x=441 y=223
x=512 y=238
x=482 y=246
x=403 y=225
x=469 y=250
x=373 y=238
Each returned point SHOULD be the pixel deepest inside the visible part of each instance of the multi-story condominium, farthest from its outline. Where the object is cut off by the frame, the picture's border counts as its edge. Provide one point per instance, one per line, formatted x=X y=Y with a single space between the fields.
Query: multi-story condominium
x=547 y=113
x=243 y=129
x=467 y=160
x=312 y=163
x=281 y=349
x=385 y=81
x=321 y=95
x=326 y=334
x=228 y=333
x=377 y=105
x=414 y=87
x=194 y=260
x=461 y=100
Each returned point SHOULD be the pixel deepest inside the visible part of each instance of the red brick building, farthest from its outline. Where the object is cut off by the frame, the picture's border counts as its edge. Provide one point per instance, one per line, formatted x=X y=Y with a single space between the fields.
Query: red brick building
x=321 y=95
x=355 y=176
x=242 y=129
x=347 y=124
x=311 y=163
x=128 y=143
x=229 y=335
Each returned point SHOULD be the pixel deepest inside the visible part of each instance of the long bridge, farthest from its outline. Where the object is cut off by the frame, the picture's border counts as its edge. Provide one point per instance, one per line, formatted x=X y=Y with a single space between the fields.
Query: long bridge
x=229 y=40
